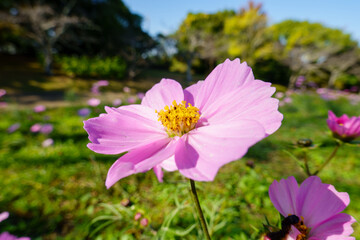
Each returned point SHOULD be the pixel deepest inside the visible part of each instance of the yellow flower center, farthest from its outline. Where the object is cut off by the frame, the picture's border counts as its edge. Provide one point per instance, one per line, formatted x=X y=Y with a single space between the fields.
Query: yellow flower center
x=179 y=118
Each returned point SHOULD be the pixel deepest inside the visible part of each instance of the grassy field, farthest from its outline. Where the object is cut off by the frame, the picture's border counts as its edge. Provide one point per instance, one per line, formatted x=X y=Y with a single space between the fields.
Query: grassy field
x=58 y=192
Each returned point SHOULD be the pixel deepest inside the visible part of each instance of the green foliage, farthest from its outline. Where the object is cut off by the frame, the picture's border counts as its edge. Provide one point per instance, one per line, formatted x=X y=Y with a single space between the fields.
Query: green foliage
x=303 y=33
x=315 y=51
x=245 y=32
x=346 y=80
x=92 y=67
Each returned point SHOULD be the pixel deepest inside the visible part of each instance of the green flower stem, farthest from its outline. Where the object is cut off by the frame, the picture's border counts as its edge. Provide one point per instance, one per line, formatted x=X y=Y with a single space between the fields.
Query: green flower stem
x=332 y=155
x=198 y=209
x=306 y=162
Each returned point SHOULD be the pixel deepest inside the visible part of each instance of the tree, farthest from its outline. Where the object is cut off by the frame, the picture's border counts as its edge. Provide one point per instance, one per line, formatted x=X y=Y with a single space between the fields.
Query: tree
x=246 y=34
x=44 y=26
x=117 y=32
x=81 y=27
x=310 y=48
x=200 y=36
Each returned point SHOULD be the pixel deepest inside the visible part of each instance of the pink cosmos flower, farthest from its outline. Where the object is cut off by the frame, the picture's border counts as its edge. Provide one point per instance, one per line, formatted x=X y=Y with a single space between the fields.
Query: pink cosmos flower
x=3 y=104
x=3 y=216
x=95 y=88
x=137 y=216
x=84 y=112
x=13 y=128
x=127 y=89
x=47 y=142
x=2 y=92
x=194 y=131
x=131 y=100
x=344 y=128
x=140 y=95
x=279 y=95
x=93 y=102
x=318 y=205
x=144 y=222
x=39 y=108
x=117 y=102
x=46 y=128
x=36 y=127
x=8 y=236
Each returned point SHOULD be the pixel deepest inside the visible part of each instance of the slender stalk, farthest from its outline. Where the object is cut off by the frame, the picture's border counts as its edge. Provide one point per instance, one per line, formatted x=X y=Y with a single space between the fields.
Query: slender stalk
x=332 y=155
x=198 y=209
x=306 y=162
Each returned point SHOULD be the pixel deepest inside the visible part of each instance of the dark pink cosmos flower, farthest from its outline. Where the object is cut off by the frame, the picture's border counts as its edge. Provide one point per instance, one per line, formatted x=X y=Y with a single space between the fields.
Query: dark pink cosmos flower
x=318 y=205
x=344 y=128
x=46 y=128
x=84 y=112
x=13 y=128
x=195 y=131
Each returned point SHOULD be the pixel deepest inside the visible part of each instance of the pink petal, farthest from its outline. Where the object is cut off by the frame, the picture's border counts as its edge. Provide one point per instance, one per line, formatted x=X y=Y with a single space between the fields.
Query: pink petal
x=201 y=152
x=223 y=79
x=169 y=164
x=3 y=216
x=354 y=127
x=283 y=195
x=141 y=159
x=317 y=201
x=163 y=94
x=191 y=91
x=123 y=129
x=332 y=125
x=252 y=101
x=337 y=227
x=158 y=172
x=293 y=233
x=332 y=116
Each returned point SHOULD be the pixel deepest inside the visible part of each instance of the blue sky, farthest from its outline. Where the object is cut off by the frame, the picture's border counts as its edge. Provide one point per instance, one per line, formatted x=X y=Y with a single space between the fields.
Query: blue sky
x=165 y=15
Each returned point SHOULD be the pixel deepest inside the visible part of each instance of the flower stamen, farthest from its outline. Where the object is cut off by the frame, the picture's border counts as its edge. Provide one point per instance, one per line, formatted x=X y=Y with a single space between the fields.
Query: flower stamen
x=178 y=119
x=303 y=229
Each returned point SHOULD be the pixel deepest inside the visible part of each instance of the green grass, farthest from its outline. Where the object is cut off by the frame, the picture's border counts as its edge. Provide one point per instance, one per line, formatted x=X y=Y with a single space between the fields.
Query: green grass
x=59 y=193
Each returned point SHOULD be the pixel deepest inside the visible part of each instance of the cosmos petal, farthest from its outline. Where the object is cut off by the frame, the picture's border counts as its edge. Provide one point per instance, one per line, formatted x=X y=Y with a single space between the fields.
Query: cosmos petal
x=158 y=172
x=337 y=227
x=199 y=157
x=123 y=129
x=317 y=201
x=252 y=101
x=163 y=94
x=283 y=195
x=223 y=79
x=140 y=160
